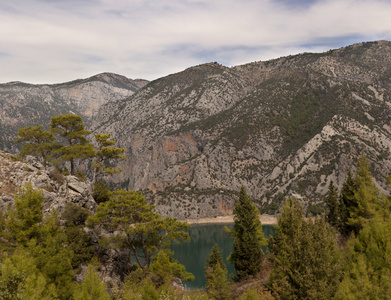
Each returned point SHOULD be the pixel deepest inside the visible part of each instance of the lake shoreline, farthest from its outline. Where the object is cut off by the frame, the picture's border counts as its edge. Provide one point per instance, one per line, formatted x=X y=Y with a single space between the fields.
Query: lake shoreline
x=265 y=220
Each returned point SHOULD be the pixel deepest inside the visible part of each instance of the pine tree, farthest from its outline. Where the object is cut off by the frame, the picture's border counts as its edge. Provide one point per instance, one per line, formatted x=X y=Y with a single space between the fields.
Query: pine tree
x=23 y=223
x=361 y=198
x=347 y=203
x=332 y=202
x=104 y=153
x=305 y=256
x=166 y=268
x=92 y=287
x=135 y=227
x=368 y=263
x=71 y=128
x=217 y=285
x=36 y=142
x=247 y=255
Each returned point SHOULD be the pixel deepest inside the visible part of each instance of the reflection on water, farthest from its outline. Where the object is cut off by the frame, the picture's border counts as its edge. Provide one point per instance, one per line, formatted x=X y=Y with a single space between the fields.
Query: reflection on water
x=193 y=254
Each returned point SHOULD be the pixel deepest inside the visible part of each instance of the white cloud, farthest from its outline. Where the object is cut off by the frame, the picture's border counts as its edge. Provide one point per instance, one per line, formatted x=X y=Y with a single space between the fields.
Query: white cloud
x=55 y=41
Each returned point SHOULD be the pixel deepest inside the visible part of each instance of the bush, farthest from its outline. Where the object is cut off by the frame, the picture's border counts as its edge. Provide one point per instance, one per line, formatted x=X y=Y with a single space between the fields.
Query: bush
x=75 y=214
x=56 y=175
x=101 y=192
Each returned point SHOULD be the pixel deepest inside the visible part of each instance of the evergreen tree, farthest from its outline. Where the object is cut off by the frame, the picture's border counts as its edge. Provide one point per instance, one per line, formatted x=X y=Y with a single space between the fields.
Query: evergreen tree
x=104 y=153
x=166 y=268
x=79 y=241
x=92 y=287
x=305 y=256
x=247 y=255
x=37 y=142
x=23 y=222
x=53 y=257
x=21 y=279
x=71 y=128
x=217 y=285
x=347 y=203
x=367 y=196
x=135 y=227
x=368 y=263
x=332 y=202
x=101 y=192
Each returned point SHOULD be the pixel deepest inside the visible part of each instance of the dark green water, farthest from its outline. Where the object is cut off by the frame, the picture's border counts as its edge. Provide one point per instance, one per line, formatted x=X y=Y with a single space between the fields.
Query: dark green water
x=193 y=254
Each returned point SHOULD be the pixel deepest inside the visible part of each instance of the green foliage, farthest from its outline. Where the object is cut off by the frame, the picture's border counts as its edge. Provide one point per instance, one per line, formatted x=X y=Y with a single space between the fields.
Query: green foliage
x=53 y=257
x=75 y=215
x=366 y=196
x=247 y=255
x=347 y=203
x=315 y=209
x=305 y=255
x=148 y=291
x=37 y=142
x=360 y=199
x=166 y=268
x=71 y=129
x=78 y=241
x=80 y=175
x=368 y=263
x=332 y=202
x=135 y=227
x=92 y=287
x=24 y=219
x=101 y=192
x=217 y=285
x=20 y=279
x=104 y=154
x=250 y=294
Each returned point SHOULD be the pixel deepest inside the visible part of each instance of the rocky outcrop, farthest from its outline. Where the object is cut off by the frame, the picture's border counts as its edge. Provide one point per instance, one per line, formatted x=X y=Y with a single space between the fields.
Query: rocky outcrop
x=57 y=189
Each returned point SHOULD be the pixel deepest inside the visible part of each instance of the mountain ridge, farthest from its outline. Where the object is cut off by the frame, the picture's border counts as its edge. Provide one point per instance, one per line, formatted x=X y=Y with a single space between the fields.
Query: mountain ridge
x=194 y=137
x=26 y=104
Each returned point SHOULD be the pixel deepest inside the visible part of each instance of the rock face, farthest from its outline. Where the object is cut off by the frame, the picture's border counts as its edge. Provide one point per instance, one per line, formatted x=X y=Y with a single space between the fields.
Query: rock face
x=26 y=104
x=282 y=127
x=57 y=189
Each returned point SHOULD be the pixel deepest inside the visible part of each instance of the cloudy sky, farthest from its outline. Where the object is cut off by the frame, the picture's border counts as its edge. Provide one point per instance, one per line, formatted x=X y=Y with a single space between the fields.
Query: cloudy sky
x=50 y=41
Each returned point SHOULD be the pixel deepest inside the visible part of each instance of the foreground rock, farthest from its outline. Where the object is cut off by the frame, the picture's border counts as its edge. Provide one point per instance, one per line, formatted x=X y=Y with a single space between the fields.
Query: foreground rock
x=57 y=189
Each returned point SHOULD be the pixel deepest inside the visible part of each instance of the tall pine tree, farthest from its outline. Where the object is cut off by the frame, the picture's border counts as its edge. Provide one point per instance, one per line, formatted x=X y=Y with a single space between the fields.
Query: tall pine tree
x=305 y=255
x=71 y=128
x=247 y=255
x=332 y=202
x=347 y=203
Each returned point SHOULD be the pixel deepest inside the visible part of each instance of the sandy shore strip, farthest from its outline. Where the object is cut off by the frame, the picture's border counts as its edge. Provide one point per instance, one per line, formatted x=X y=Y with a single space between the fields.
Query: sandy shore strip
x=265 y=219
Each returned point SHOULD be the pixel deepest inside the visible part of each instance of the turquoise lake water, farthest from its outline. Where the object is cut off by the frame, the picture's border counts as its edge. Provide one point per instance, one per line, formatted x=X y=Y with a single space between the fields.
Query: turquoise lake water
x=193 y=254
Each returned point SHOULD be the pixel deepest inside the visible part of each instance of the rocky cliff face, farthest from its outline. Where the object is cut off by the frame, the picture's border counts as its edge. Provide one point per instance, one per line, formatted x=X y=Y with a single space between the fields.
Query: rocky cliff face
x=26 y=104
x=282 y=127
x=57 y=189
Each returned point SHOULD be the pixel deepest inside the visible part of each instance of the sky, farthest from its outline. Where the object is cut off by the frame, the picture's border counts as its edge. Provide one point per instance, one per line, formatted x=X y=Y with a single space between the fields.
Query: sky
x=53 y=41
